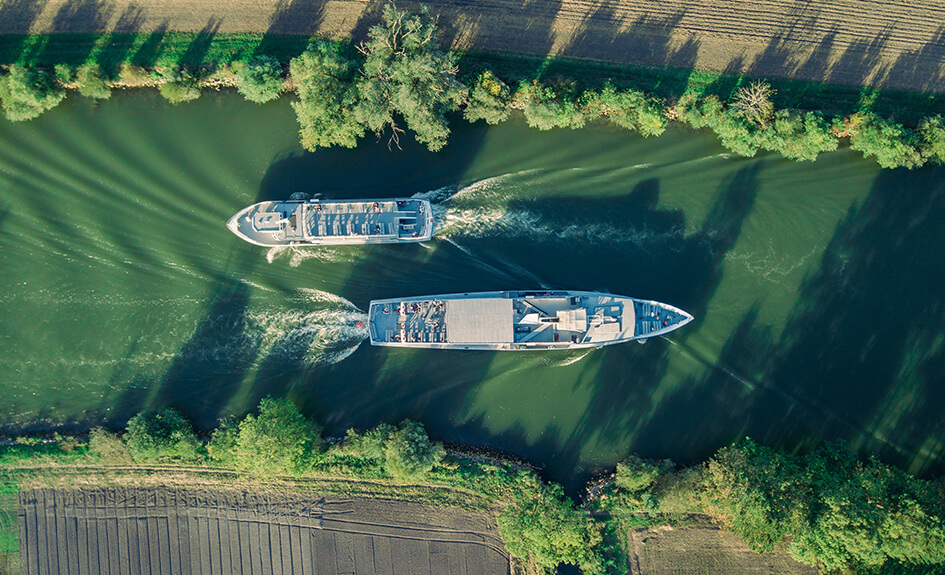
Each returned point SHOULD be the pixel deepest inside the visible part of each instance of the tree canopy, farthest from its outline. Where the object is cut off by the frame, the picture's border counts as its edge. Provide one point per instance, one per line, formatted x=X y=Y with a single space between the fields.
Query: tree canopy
x=407 y=74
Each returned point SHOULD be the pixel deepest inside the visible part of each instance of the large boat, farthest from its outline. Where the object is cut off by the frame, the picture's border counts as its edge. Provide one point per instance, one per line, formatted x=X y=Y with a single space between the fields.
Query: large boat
x=334 y=222
x=519 y=320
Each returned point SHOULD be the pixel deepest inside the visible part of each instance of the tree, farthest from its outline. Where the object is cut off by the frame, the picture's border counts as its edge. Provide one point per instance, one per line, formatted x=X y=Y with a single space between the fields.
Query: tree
x=259 y=79
x=489 y=100
x=409 y=454
x=324 y=80
x=279 y=440
x=545 y=109
x=27 y=92
x=798 y=136
x=753 y=102
x=162 y=436
x=932 y=136
x=180 y=85
x=893 y=145
x=636 y=474
x=407 y=74
x=92 y=82
x=630 y=109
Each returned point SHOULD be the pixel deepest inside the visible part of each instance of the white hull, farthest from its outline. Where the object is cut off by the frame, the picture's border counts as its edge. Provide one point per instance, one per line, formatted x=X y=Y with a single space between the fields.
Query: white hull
x=334 y=223
x=519 y=320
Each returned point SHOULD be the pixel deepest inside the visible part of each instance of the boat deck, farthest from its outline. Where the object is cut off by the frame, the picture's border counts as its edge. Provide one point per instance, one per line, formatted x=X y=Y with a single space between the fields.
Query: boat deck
x=415 y=321
x=313 y=222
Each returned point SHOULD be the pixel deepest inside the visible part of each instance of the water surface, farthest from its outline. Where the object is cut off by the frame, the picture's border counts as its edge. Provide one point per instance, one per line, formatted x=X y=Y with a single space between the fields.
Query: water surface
x=817 y=287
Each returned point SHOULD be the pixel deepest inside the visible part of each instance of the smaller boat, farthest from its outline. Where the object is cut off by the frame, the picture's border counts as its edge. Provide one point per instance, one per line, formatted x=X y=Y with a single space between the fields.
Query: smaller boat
x=334 y=222
x=519 y=320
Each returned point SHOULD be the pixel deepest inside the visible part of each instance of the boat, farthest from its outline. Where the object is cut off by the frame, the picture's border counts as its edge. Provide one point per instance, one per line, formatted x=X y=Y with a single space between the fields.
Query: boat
x=315 y=222
x=519 y=320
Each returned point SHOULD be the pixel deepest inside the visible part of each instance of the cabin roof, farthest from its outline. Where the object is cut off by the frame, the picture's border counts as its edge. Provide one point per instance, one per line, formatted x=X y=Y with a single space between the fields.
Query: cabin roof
x=480 y=320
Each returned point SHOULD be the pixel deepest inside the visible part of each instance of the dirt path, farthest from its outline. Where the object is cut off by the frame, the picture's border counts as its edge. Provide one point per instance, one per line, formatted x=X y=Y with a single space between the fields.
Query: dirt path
x=894 y=43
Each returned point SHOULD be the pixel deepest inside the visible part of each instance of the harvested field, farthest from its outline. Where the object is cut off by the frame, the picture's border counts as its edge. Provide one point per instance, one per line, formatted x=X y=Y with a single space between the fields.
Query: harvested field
x=200 y=531
x=701 y=550
x=891 y=43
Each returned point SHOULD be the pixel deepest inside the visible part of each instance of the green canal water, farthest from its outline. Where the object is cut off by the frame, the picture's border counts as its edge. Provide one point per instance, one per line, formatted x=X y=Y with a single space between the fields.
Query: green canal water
x=818 y=288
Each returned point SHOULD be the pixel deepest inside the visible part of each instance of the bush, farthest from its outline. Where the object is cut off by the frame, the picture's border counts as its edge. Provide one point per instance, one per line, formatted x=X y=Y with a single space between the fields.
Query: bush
x=628 y=109
x=180 y=85
x=932 y=136
x=222 y=446
x=324 y=81
x=636 y=474
x=409 y=455
x=489 y=100
x=108 y=448
x=546 y=529
x=734 y=131
x=259 y=79
x=545 y=109
x=406 y=72
x=279 y=440
x=893 y=145
x=798 y=136
x=92 y=82
x=163 y=436
x=27 y=92
x=132 y=75
x=63 y=73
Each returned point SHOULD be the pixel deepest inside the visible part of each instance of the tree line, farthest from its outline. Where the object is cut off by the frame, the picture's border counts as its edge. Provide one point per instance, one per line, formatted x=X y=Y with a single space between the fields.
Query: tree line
x=826 y=507
x=401 y=79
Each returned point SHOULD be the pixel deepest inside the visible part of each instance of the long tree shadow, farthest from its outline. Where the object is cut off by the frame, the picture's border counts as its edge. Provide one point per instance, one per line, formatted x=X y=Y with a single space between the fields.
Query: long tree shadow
x=197 y=49
x=291 y=25
x=922 y=70
x=150 y=49
x=16 y=19
x=861 y=357
x=86 y=20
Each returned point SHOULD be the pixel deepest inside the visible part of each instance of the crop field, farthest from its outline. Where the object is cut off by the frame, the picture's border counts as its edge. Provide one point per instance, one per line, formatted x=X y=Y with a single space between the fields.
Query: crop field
x=889 y=43
x=704 y=550
x=176 y=530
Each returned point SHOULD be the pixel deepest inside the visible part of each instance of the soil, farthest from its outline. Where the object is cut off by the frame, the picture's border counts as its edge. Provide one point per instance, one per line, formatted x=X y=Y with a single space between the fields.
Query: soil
x=704 y=549
x=199 y=530
x=889 y=43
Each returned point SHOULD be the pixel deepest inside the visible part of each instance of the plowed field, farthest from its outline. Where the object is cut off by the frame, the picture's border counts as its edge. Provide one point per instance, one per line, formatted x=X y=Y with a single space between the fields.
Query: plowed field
x=893 y=43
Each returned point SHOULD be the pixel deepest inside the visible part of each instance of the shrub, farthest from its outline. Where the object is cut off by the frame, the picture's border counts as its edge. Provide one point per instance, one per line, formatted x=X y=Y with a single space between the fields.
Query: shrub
x=545 y=109
x=180 y=85
x=63 y=73
x=259 y=79
x=893 y=145
x=406 y=72
x=108 y=448
x=163 y=436
x=628 y=109
x=798 y=136
x=27 y=92
x=132 y=75
x=546 y=529
x=489 y=100
x=324 y=81
x=92 y=82
x=279 y=440
x=223 y=440
x=409 y=455
x=932 y=137
x=635 y=474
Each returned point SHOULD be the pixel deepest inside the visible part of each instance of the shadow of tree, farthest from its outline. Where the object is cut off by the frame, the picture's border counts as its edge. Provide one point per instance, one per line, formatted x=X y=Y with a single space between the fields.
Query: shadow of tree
x=922 y=69
x=87 y=20
x=17 y=17
x=861 y=358
x=299 y=18
x=200 y=45
x=150 y=49
x=121 y=39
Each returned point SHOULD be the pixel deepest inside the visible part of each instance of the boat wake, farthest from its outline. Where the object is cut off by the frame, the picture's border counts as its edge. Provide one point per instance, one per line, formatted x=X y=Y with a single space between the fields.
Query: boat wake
x=295 y=256
x=482 y=210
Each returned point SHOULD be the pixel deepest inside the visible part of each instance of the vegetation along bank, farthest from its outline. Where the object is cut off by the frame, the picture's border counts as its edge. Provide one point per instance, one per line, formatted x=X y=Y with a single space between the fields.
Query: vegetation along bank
x=827 y=508
x=400 y=79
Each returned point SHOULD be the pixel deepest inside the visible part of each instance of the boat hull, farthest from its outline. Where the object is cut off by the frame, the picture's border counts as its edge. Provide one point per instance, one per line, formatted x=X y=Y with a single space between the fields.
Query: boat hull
x=334 y=223
x=519 y=320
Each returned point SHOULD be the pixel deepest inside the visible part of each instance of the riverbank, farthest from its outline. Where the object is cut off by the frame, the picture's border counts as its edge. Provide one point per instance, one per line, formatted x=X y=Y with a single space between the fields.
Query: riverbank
x=401 y=75
x=773 y=500
x=895 y=45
